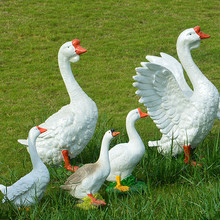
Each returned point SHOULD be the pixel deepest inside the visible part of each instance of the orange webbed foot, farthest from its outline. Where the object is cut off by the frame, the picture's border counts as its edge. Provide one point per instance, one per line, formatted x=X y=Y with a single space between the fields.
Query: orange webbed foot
x=69 y=167
x=76 y=168
x=194 y=164
x=98 y=202
x=122 y=188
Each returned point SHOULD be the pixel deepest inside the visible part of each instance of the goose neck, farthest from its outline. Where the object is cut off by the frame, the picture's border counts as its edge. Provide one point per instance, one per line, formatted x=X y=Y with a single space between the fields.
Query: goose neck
x=35 y=159
x=131 y=130
x=73 y=88
x=104 y=155
x=194 y=73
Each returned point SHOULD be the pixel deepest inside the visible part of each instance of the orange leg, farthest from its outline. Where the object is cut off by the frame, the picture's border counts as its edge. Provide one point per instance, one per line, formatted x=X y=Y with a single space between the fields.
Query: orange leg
x=99 y=202
x=187 y=150
x=68 y=166
x=119 y=186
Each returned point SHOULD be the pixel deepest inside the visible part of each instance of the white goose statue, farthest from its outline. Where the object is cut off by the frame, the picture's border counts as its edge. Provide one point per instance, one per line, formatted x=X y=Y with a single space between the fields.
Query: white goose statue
x=29 y=189
x=125 y=156
x=183 y=116
x=88 y=179
x=71 y=128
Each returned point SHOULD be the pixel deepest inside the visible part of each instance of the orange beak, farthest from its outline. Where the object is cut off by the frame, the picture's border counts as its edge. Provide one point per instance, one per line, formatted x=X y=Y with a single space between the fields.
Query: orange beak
x=200 y=33
x=42 y=130
x=79 y=50
x=115 y=133
x=142 y=114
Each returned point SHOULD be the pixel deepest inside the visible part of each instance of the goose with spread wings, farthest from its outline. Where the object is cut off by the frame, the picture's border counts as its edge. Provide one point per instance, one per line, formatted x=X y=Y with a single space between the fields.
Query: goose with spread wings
x=184 y=116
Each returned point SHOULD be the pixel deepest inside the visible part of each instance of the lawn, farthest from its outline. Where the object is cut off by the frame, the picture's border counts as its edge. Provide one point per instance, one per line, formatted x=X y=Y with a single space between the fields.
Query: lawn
x=117 y=35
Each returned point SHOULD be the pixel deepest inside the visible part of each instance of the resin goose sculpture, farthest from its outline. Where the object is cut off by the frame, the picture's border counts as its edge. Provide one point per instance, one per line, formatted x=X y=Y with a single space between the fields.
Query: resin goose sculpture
x=88 y=179
x=29 y=189
x=71 y=128
x=125 y=156
x=183 y=116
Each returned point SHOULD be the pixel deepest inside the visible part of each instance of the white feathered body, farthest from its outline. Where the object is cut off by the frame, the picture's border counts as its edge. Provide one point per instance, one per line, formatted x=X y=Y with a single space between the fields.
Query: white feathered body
x=181 y=120
x=71 y=128
x=29 y=189
x=188 y=121
x=123 y=159
x=92 y=181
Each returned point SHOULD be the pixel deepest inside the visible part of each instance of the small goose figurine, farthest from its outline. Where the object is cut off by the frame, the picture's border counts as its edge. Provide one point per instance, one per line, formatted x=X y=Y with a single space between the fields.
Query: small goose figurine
x=88 y=179
x=29 y=189
x=125 y=156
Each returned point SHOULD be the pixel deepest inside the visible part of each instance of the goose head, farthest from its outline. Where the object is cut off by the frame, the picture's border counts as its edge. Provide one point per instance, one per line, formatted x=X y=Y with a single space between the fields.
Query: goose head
x=190 y=38
x=71 y=50
x=36 y=131
x=136 y=114
x=110 y=134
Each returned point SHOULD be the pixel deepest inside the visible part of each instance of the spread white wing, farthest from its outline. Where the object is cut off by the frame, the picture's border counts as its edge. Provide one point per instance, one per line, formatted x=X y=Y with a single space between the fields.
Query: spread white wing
x=175 y=68
x=163 y=97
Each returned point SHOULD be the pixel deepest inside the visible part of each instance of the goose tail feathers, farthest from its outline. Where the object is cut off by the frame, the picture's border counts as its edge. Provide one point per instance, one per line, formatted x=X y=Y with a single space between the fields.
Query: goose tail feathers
x=65 y=187
x=23 y=141
x=2 y=188
x=153 y=143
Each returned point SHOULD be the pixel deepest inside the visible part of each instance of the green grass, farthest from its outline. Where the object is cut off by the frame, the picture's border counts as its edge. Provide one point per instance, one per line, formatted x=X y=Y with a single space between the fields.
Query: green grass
x=173 y=189
x=118 y=35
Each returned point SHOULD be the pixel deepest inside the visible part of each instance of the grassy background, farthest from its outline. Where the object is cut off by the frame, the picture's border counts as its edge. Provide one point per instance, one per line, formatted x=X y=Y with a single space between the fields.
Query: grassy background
x=118 y=35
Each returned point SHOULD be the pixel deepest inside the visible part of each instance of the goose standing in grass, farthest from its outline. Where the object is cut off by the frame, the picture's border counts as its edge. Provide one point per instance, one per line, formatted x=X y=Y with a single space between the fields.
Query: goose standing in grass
x=183 y=116
x=125 y=156
x=72 y=127
x=29 y=189
x=88 y=179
